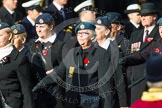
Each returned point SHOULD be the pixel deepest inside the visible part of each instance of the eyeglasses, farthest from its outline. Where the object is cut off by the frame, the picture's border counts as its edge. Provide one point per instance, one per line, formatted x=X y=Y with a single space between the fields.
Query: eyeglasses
x=82 y=33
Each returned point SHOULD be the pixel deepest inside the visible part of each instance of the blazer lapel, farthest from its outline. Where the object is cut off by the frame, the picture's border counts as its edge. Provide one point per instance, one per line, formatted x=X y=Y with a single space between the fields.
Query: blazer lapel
x=151 y=35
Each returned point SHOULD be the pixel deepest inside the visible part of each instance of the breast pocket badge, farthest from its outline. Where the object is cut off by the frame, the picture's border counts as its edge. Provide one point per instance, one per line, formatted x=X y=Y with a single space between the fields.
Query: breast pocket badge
x=71 y=71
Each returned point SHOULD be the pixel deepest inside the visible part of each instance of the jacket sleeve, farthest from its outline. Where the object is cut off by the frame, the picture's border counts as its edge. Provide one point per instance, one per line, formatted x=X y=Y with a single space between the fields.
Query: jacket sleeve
x=137 y=57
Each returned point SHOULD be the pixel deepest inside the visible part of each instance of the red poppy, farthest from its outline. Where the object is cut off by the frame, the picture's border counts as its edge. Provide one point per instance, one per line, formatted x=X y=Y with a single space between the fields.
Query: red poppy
x=157 y=50
x=149 y=39
x=36 y=46
x=86 y=61
x=44 y=52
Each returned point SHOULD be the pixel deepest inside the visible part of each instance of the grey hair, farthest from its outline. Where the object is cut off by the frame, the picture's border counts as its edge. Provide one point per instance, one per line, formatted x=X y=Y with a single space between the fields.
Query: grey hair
x=93 y=34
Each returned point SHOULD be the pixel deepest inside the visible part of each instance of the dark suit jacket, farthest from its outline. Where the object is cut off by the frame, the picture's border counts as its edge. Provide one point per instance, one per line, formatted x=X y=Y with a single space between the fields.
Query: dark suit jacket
x=30 y=29
x=16 y=81
x=137 y=36
x=140 y=57
x=5 y=16
x=38 y=64
x=135 y=73
x=123 y=44
x=56 y=14
x=129 y=28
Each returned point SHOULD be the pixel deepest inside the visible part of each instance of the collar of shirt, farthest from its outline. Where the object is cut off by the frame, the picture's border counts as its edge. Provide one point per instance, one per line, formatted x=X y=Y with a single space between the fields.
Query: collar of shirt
x=10 y=11
x=106 y=44
x=149 y=28
x=91 y=50
x=112 y=39
x=136 y=25
x=50 y=39
x=21 y=49
x=58 y=6
x=30 y=20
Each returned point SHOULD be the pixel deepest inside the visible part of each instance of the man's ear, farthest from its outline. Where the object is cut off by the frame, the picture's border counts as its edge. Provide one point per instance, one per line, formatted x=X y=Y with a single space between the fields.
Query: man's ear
x=119 y=27
x=23 y=40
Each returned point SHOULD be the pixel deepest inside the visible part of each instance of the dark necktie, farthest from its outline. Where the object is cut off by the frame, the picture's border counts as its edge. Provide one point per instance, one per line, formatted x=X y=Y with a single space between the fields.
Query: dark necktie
x=146 y=35
x=62 y=13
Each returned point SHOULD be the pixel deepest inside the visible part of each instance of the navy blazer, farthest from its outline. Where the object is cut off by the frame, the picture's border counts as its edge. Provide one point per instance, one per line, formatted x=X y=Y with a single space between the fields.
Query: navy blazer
x=5 y=16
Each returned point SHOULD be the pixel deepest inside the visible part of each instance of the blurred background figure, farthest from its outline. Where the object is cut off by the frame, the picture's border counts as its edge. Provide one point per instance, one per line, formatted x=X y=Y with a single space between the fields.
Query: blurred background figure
x=16 y=81
x=86 y=11
x=59 y=11
x=33 y=10
x=19 y=39
x=118 y=32
x=8 y=12
x=153 y=97
x=133 y=23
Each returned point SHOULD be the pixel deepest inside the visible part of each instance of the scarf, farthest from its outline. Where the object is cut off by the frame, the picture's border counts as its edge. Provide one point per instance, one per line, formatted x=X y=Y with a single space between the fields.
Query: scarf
x=5 y=51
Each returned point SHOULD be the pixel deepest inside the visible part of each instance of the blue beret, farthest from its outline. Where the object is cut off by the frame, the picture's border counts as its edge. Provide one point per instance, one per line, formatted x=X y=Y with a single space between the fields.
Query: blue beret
x=84 y=26
x=159 y=22
x=3 y=25
x=18 y=29
x=103 y=21
x=114 y=17
x=45 y=18
x=154 y=68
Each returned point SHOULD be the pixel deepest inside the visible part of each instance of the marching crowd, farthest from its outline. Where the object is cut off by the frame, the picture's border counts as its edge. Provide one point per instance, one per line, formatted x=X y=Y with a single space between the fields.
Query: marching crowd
x=59 y=57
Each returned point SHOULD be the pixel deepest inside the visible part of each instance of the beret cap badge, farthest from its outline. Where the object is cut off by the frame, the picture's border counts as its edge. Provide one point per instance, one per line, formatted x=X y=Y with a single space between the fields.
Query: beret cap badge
x=82 y=26
x=41 y=21
x=15 y=31
x=99 y=21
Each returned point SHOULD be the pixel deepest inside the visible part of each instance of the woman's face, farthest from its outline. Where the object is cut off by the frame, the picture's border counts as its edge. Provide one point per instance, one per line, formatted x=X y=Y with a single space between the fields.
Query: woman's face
x=84 y=38
x=43 y=30
x=5 y=37
x=101 y=32
x=18 y=41
x=160 y=31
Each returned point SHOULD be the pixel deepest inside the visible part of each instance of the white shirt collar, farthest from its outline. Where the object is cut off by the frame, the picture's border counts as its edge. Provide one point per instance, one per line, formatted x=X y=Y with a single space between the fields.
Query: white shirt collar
x=21 y=49
x=10 y=11
x=136 y=25
x=30 y=20
x=149 y=28
x=106 y=44
x=112 y=39
x=58 y=6
x=50 y=39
